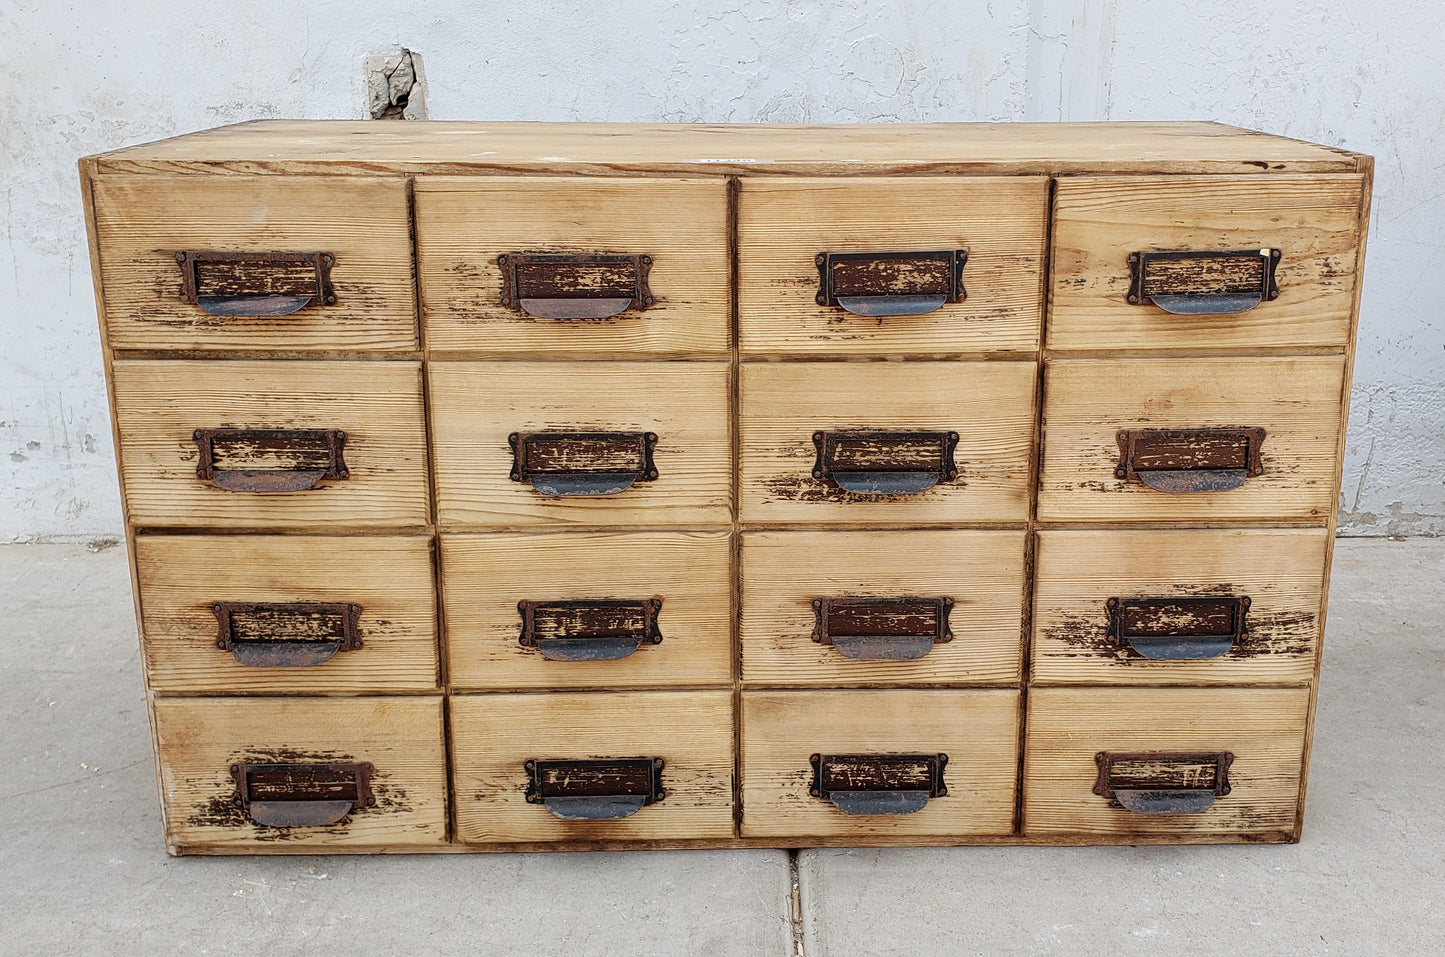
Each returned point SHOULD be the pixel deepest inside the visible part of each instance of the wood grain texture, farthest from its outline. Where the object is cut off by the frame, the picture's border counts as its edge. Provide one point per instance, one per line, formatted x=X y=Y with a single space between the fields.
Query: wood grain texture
x=494 y=735
x=1296 y=401
x=475 y=405
x=200 y=738
x=180 y=576
x=783 y=223
x=1077 y=571
x=978 y=730
x=484 y=576
x=143 y=221
x=1099 y=221
x=1262 y=727
x=782 y=572
x=160 y=403
x=990 y=405
x=463 y=224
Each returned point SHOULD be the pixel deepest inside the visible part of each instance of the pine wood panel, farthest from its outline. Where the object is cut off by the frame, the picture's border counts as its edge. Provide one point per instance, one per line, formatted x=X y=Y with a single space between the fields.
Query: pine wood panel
x=463 y=224
x=990 y=405
x=784 y=223
x=200 y=738
x=978 y=730
x=1099 y=221
x=494 y=735
x=1087 y=401
x=782 y=572
x=1263 y=728
x=1077 y=571
x=180 y=576
x=159 y=404
x=143 y=221
x=484 y=576
x=476 y=405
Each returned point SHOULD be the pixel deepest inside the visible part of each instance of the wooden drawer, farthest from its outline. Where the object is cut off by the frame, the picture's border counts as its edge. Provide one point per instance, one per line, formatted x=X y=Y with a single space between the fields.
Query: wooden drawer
x=875 y=608
x=977 y=731
x=143 y=223
x=494 y=737
x=570 y=309
x=273 y=461
x=906 y=412
x=290 y=610
x=1175 y=743
x=581 y=602
x=1099 y=222
x=1177 y=606
x=588 y=416
x=296 y=755
x=1089 y=403
x=785 y=223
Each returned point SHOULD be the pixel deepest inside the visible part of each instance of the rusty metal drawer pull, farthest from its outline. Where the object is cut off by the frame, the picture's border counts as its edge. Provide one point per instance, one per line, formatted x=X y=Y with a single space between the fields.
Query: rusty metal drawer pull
x=1187 y=628
x=595 y=790
x=302 y=795
x=574 y=286
x=878 y=783
x=1203 y=282
x=1190 y=460
x=286 y=634
x=891 y=284
x=255 y=284
x=1163 y=782
x=589 y=630
x=270 y=460
x=885 y=463
x=882 y=629
x=582 y=463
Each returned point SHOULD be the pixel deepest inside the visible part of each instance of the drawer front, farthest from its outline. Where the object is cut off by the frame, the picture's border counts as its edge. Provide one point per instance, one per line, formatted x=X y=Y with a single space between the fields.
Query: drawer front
x=271 y=444
x=892 y=732
x=587 y=449
x=580 y=602
x=891 y=608
x=1189 y=606
x=289 y=614
x=878 y=421
x=507 y=748
x=553 y=296
x=145 y=223
x=1211 y=302
x=1220 y=760
x=296 y=759
x=872 y=306
x=1198 y=416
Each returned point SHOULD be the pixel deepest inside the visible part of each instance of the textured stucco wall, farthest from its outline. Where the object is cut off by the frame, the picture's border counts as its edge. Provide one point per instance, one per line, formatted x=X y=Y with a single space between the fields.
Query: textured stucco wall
x=78 y=78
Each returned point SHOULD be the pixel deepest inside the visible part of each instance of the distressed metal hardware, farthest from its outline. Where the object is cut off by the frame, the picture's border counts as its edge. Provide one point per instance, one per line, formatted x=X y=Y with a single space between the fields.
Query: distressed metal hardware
x=1203 y=282
x=575 y=285
x=582 y=463
x=596 y=790
x=255 y=284
x=1163 y=782
x=891 y=283
x=589 y=630
x=878 y=783
x=882 y=629
x=286 y=634
x=1186 y=628
x=885 y=463
x=270 y=460
x=303 y=794
x=1190 y=460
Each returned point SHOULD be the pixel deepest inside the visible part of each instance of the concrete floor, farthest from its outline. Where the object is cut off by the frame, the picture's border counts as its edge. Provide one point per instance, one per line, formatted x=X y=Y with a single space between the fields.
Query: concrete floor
x=84 y=871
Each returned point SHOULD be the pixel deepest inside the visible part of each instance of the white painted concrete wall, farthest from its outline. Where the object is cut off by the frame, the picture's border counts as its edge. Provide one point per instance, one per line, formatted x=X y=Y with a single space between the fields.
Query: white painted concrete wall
x=83 y=77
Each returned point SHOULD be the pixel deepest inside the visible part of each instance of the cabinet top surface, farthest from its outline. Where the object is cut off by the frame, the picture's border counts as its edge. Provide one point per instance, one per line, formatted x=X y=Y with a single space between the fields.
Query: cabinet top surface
x=370 y=146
